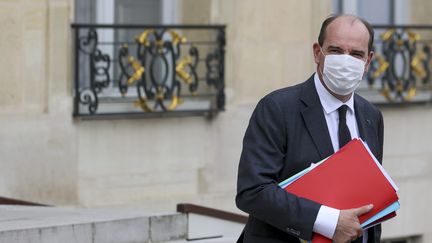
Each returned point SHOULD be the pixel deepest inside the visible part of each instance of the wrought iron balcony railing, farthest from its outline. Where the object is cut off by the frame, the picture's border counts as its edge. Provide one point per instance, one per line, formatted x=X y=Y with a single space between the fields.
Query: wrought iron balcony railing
x=400 y=72
x=142 y=70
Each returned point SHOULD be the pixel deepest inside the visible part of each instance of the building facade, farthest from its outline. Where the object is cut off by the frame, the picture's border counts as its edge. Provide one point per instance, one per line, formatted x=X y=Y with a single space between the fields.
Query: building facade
x=48 y=156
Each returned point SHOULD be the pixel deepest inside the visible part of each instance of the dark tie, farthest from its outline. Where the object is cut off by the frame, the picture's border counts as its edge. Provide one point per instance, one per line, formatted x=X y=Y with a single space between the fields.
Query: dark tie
x=344 y=138
x=344 y=133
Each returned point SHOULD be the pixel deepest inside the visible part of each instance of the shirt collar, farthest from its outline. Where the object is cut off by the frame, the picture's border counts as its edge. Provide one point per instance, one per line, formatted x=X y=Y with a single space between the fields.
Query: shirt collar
x=328 y=101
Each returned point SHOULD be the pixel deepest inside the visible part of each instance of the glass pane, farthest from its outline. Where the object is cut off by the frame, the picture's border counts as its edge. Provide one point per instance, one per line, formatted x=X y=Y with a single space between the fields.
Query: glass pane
x=337 y=6
x=138 y=12
x=85 y=11
x=375 y=12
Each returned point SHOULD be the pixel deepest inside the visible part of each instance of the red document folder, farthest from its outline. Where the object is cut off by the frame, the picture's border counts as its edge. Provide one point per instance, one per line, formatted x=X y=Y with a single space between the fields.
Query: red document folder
x=349 y=178
x=317 y=238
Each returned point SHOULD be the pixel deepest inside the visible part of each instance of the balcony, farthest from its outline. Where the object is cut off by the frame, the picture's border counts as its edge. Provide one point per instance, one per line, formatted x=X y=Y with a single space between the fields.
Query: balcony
x=400 y=72
x=126 y=71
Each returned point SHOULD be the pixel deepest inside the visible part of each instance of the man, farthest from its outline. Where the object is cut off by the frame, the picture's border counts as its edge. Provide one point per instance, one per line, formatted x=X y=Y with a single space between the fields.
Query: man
x=295 y=126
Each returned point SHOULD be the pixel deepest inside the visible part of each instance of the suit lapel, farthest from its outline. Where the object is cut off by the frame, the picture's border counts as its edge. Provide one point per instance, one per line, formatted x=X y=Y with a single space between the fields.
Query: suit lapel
x=364 y=124
x=313 y=116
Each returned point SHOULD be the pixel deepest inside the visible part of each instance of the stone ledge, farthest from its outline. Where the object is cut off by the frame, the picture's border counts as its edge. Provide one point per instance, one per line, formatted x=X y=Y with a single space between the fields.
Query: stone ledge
x=70 y=225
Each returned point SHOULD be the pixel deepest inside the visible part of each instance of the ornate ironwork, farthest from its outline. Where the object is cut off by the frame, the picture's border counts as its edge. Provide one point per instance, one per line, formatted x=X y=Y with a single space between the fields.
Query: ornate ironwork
x=215 y=69
x=88 y=45
x=150 y=72
x=400 y=70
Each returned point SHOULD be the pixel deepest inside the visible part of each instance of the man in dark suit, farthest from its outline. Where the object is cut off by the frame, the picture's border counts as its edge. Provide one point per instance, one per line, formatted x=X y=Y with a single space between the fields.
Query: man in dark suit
x=292 y=127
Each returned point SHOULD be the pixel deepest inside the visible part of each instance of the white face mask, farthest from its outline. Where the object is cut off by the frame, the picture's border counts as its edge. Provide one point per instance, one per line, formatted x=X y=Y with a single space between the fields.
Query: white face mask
x=342 y=73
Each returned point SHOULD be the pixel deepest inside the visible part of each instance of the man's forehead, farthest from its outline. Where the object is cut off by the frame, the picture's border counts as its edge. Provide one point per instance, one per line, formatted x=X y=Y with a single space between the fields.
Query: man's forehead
x=347 y=31
x=348 y=22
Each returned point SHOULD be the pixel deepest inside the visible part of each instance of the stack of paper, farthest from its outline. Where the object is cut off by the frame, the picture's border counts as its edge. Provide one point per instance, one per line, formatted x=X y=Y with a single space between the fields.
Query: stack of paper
x=350 y=178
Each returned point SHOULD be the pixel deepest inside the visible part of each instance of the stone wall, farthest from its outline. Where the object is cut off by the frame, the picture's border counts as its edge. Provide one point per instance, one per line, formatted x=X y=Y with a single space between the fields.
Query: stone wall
x=408 y=159
x=48 y=157
x=37 y=135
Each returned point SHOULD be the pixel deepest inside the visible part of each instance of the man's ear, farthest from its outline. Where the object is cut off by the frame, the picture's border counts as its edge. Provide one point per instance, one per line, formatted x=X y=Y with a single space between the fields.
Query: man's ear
x=369 y=60
x=316 y=52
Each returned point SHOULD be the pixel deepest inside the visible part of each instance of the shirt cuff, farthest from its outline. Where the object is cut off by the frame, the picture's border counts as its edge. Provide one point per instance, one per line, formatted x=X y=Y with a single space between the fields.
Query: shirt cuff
x=326 y=221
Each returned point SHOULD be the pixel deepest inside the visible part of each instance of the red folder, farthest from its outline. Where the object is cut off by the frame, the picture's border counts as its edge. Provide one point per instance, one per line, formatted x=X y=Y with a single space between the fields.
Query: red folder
x=350 y=178
x=317 y=238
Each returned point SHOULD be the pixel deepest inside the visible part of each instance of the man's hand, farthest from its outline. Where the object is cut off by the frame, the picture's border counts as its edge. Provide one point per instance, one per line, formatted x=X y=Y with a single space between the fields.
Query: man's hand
x=348 y=225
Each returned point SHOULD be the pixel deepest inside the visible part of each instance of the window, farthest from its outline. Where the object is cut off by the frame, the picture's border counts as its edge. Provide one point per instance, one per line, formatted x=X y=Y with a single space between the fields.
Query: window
x=375 y=12
x=126 y=11
x=142 y=12
x=132 y=58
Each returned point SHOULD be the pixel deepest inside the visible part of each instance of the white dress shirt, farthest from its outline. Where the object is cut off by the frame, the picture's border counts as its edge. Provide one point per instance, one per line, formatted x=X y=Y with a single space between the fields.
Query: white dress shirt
x=327 y=218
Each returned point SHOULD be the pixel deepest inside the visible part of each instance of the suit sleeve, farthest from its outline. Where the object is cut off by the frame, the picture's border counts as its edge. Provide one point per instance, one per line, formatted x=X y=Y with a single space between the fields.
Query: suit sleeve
x=261 y=162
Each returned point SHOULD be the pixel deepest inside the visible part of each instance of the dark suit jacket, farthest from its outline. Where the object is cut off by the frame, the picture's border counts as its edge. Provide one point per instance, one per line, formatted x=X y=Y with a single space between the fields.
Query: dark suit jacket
x=286 y=133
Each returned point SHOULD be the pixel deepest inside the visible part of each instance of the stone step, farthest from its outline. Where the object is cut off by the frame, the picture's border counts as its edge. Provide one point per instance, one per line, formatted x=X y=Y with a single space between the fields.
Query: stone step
x=25 y=224
x=218 y=240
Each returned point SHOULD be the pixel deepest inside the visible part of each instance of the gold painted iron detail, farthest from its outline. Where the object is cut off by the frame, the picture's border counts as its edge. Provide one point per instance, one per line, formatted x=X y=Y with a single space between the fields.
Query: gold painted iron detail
x=148 y=69
x=139 y=70
x=159 y=51
x=401 y=64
